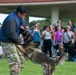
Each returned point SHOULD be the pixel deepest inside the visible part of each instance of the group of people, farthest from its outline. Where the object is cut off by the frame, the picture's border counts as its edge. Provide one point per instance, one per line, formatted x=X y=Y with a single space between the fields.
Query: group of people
x=53 y=39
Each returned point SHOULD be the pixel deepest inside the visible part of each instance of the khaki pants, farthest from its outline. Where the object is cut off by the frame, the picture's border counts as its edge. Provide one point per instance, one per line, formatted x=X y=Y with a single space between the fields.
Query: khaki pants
x=14 y=57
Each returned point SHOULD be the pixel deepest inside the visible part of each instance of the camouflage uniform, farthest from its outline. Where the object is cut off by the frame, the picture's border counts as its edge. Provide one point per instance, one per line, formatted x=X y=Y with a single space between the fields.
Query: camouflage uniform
x=14 y=57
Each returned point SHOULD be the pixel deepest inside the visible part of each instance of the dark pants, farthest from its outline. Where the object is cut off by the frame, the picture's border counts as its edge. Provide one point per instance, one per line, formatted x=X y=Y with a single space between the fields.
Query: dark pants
x=56 y=47
x=70 y=51
x=47 y=46
x=66 y=46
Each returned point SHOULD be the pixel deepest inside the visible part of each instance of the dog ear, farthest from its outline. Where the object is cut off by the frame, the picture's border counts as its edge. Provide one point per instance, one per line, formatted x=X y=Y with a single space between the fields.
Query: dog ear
x=27 y=36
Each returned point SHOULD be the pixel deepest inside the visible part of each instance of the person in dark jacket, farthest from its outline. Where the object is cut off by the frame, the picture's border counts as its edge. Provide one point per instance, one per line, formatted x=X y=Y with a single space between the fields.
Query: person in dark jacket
x=10 y=37
x=70 y=23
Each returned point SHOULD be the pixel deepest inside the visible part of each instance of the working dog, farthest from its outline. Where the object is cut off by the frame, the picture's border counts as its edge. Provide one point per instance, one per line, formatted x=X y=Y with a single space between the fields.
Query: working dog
x=37 y=56
x=41 y=58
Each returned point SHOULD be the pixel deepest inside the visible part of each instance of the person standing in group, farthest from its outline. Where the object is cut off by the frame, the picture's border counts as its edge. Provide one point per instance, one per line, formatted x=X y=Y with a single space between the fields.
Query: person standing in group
x=10 y=37
x=72 y=26
x=36 y=35
x=44 y=29
x=74 y=32
x=59 y=23
x=58 y=37
x=47 y=24
x=67 y=40
x=47 y=41
x=52 y=37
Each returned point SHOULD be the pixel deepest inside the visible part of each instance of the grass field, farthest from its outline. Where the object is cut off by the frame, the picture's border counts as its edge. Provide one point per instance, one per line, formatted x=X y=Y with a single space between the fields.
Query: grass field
x=68 y=68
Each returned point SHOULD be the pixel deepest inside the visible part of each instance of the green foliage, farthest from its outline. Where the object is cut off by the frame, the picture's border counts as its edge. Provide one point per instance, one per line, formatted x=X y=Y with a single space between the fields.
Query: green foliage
x=42 y=23
x=68 y=68
x=32 y=23
x=64 y=22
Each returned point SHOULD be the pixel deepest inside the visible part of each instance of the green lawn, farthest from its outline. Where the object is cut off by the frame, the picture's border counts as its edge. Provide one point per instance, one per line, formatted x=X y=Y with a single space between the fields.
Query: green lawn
x=68 y=68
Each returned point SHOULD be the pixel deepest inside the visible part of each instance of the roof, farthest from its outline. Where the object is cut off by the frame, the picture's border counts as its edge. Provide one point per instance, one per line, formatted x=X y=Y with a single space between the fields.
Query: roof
x=35 y=2
x=30 y=1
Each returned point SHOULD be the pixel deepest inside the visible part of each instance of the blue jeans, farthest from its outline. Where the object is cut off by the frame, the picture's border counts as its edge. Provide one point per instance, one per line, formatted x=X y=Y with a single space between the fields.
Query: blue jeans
x=53 y=49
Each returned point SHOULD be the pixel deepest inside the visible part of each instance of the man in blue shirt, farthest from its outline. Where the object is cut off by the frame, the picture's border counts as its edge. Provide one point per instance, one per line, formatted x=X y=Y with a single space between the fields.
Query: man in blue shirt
x=10 y=37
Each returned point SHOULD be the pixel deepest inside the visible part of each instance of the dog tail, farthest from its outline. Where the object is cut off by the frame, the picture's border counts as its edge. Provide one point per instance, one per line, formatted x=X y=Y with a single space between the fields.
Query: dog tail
x=62 y=59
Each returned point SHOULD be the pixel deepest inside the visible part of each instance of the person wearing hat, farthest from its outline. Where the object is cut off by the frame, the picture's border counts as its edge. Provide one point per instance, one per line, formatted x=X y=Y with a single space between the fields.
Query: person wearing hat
x=67 y=39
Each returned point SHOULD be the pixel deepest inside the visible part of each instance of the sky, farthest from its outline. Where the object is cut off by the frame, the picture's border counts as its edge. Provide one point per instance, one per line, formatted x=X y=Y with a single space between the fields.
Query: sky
x=3 y=16
x=35 y=18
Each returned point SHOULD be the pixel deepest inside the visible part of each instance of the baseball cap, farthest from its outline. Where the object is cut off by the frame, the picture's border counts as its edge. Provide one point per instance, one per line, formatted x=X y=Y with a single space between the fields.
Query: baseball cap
x=68 y=27
x=61 y=44
x=54 y=25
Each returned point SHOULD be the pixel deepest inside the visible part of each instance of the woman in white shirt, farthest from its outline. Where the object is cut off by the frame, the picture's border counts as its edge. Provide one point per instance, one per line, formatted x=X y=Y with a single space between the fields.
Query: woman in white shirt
x=47 y=40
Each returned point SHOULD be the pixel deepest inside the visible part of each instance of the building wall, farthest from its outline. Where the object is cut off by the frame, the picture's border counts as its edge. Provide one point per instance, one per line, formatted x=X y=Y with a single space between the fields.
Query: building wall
x=28 y=1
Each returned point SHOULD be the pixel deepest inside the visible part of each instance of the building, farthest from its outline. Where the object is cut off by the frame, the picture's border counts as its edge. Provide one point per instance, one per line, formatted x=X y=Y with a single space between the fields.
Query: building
x=54 y=9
